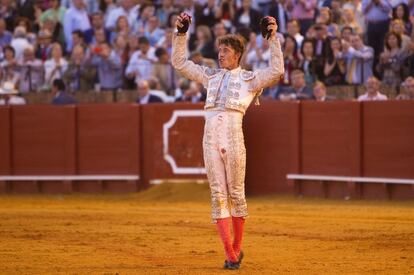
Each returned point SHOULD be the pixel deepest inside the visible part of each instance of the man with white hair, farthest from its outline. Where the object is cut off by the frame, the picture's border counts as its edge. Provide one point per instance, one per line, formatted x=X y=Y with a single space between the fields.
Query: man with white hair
x=19 y=42
x=31 y=71
x=76 y=18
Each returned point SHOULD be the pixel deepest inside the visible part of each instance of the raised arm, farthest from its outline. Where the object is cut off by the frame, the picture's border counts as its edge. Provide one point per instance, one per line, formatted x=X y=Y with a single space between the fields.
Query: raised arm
x=272 y=74
x=179 y=59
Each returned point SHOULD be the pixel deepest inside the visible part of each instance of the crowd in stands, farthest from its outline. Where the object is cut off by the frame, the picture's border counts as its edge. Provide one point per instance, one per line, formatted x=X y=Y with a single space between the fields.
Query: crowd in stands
x=73 y=46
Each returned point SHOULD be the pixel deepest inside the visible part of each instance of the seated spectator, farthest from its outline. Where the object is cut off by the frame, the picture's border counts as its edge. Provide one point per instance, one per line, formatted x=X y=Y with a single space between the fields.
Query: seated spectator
x=164 y=72
x=140 y=63
x=5 y=36
x=19 y=42
x=359 y=60
x=307 y=61
x=144 y=96
x=109 y=66
x=334 y=69
x=391 y=61
x=346 y=33
x=9 y=95
x=298 y=89
x=9 y=66
x=409 y=89
x=60 y=96
x=303 y=11
x=319 y=92
x=78 y=39
x=372 y=92
x=31 y=72
x=193 y=94
x=79 y=75
x=55 y=66
x=397 y=26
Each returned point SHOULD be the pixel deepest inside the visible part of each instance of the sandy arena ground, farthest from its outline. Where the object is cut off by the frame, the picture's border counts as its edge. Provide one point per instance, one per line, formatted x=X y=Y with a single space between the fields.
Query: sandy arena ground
x=162 y=231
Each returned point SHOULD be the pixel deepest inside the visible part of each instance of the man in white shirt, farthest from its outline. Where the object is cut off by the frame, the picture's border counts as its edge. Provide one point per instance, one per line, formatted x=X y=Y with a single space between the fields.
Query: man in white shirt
x=19 y=42
x=126 y=8
x=372 y=91
x=140 y=64
x=76 y=18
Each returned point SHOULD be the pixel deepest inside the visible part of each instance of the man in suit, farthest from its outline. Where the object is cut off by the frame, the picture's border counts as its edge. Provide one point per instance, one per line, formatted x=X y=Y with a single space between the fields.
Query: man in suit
x=61 y=97
x=144 y=96
x=319 y=92
x=297 y=91
x=26 y=9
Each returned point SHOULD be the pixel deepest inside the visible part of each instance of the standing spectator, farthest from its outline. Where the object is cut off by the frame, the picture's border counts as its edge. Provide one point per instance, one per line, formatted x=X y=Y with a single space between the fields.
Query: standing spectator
x=402 y=12
x=377 y=15
x=246 y=16
x=319 y=92
x=164 y=72
x=153 y=31
x=122 y=28
x=307 y=61
x=321 y=49
x=356 y=7
x=79 y=75
x=5 y=36
x=76 y=18
x=109 y=66
x=408 y=69
x=291 y=58
x=60 y=96
x=44 y=45
x=8 y=13
x=348 y=19
x=206 y=15
x=146 y=11
x=391 y=61
x=144 y=96
x=334 y=69
x=409 y=89
x=166 y=41
x=278 y=11
x=25 y=8
x=163 y=13
x=9 y=95
x=346 y=33
x=56 y=13
x=293 y=29
x=225 y=13
x=31 y=71
x=55 y=66
x=257 y=57
x=298 y=90
x=303 y=11
x=372 y=92
x=397 y=26
x=126 y=8
x=9 y=66
x=97 y=23
x=359 y=60
x=140 y=64
x=122 y=50
x=78 y=39
x=19 y=42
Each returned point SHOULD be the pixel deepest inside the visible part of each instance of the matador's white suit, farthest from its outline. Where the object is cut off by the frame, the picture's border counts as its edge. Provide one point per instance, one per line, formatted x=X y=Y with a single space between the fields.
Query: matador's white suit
x=229 y=94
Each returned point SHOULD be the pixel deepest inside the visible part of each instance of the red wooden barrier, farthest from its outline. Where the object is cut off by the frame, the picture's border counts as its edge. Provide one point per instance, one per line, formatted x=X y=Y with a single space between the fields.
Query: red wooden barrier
x=43 y=143
x=108 y=143
x=272 y=144
x=330 y=144
x=5 y=152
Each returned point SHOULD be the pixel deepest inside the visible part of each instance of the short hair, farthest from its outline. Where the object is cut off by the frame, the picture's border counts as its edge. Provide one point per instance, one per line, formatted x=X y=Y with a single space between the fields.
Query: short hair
x=347 y=28
x=160 y=52
x=143 y=40
x=79 y=33
x=297 y=72
x=319 y=83
x=234 y=41
x=58 y=83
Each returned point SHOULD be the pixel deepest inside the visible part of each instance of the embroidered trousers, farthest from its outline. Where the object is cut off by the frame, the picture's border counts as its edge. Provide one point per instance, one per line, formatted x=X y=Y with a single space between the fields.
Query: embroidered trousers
x=225 y=161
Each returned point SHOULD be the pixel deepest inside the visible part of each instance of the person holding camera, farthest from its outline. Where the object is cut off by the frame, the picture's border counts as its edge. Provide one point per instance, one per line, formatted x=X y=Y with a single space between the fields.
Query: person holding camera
x=230 y=90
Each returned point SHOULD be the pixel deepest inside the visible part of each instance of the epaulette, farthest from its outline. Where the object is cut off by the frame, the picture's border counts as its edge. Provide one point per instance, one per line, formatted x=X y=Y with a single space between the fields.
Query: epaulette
x=211 y=71
x=246 y=75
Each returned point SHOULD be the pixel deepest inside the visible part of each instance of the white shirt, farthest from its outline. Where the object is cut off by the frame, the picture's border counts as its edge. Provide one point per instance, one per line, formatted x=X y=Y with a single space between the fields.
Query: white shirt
x=377 y=97
x=13 y=100
x=50 y=72
x=19 y=44
x=74 y=19
x=114 y=14
x=141 y=66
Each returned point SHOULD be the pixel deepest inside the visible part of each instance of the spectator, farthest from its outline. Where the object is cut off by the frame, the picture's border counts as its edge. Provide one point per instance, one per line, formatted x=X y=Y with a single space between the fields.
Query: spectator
x=9 y=95
x=25 y=8
x=97 y=25
x=60 y=96
x=107 y=6
x=348 y=19
x=122 y=27
x=166 y=41
x=409 y=89
x=193 y=94
x=346 y=33
x=204 y=42
x=334 y=69
x=31 y=71
x=19 y=42
x=56 y=13
x=153 y=31
x=126 y=8
x=372 y=90
x=163 y=13
x=76 y=18
x=402 y=12
x=26 y=24
x=8 y=13
x=146 y=11
x=54 y=66
x=377 y=15
x=225 y=13
x=140 y=64
x=391 y=61
x=303 y=11
x=307 y=61
x=359 y=60
x=78 y=39
x=293 y=29
x=408 y=69
x=319 y=92
x=79 y=75
x=278 y=11
x=109 y=67
x=122 y=50
x=5 y=36
x=290 y=49
x=144 y=96
x=298 y=90
x=257 y=57
x=397 y=26
x=321 y=49
x=44 y=45
x=9 y=68
x=164 y=72
x=206 y=15
x=246 y=16
x=325 y=18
